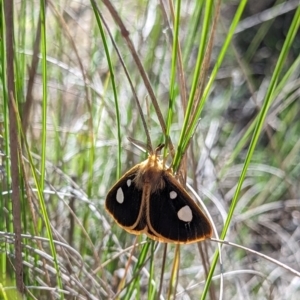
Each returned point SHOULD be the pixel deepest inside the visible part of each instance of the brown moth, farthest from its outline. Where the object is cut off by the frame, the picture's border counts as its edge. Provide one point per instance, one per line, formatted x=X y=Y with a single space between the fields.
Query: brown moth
x=149 y=199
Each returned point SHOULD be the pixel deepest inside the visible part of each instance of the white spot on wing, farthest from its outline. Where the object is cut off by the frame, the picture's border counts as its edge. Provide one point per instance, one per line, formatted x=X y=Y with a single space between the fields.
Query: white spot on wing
x=185 y=214
x=128 y=182
x=120 y=195
x=173 y=195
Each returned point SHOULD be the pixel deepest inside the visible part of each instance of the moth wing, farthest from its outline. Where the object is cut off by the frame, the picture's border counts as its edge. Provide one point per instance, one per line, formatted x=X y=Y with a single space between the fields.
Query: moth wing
x=173 y=216
x=124 y=201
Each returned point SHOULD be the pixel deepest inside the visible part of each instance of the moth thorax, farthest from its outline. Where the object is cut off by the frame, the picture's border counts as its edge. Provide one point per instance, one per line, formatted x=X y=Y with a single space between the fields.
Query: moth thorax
x=151 y=173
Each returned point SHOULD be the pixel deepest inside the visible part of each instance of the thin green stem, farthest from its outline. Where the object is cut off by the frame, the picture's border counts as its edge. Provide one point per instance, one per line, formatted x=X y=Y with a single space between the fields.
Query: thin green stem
x=173 y=76
x=188 y=113
x=111 y=70
x=259 y=125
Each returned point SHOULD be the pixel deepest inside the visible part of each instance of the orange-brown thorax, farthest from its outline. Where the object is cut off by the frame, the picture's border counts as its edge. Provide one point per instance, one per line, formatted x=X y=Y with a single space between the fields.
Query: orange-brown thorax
x=150 y=173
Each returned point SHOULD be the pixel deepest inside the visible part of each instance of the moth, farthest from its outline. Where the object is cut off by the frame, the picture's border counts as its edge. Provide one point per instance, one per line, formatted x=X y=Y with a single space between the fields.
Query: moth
x=149 y=199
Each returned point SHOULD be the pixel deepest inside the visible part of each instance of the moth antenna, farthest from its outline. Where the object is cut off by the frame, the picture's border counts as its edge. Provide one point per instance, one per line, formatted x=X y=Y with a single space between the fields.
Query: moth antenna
x=140 y=145
x=158 y=149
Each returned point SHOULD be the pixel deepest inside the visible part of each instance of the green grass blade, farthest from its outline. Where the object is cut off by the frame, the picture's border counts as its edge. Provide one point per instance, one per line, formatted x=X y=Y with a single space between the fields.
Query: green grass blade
x=215 y=70
x=135 y=284
x=173 y=76
x=261 y=118
x=5 y=184
x=188 y=113
x=246 y=136
x=152 y=290
x=43 y=212
x=45 y=92
x=111 y=70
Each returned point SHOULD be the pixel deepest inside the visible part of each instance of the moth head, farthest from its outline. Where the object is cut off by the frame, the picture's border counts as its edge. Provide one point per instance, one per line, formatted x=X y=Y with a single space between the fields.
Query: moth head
x=150 y=172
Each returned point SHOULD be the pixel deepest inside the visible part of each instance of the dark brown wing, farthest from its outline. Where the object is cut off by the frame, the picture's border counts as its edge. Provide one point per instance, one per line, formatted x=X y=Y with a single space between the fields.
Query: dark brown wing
x=173 y=216
x=124 y=202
